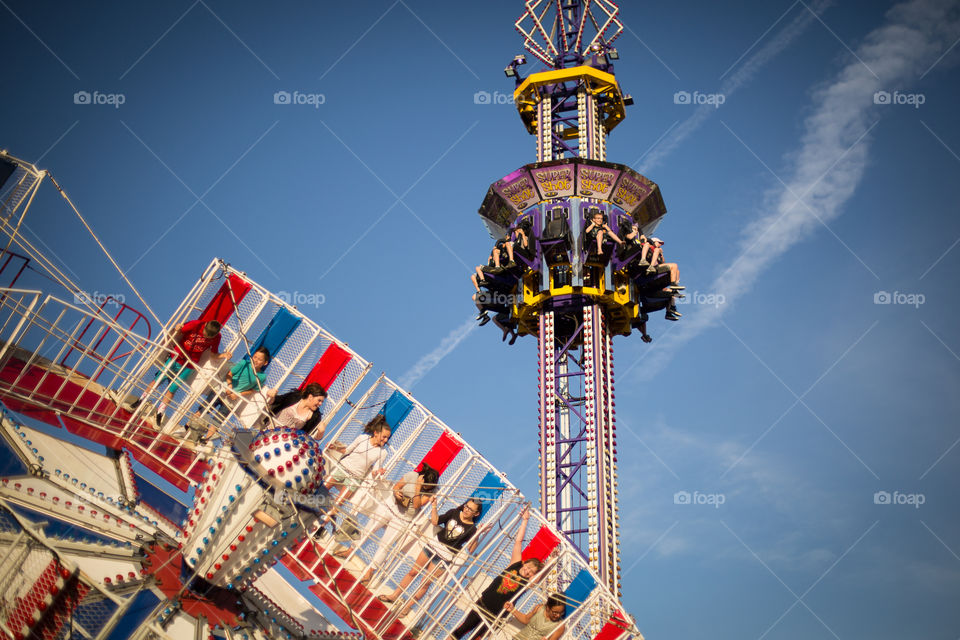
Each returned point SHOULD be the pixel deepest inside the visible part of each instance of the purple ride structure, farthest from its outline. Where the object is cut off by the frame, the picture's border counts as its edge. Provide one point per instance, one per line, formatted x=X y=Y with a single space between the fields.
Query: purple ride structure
x=114 y=524
x=559 y=287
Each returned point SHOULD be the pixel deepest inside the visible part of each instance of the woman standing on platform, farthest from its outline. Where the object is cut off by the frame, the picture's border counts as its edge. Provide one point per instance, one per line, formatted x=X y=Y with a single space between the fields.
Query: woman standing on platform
x=457 y=527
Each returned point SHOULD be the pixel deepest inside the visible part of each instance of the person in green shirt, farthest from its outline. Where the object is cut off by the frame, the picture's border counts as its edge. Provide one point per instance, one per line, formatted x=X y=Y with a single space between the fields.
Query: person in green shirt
x=244 y=379
x=248 y=376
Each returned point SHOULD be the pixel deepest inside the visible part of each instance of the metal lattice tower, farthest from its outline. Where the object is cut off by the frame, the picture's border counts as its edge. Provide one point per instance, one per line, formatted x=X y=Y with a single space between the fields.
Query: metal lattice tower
x=574 y=301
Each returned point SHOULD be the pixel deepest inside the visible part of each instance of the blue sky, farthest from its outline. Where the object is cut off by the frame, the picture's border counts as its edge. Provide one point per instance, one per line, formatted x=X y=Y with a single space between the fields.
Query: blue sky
x=786 y=392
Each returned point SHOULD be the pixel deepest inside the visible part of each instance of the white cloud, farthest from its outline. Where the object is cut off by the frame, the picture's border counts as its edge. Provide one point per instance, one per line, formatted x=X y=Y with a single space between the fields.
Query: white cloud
x=832 y=157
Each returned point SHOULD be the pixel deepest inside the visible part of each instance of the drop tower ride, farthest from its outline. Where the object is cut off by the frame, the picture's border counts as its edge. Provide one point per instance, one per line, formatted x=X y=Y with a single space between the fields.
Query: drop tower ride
x=560 y=289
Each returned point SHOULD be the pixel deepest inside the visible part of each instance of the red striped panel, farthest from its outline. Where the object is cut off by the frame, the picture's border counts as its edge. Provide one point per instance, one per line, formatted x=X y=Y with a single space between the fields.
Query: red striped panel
x=221 y=307
x=442 y=453
x=542 y=545
x=295 y=568
x=615 y=628
x=24 y=608
x=78 y=408
x=328 y=367
x=354 y=603
x=61 y=613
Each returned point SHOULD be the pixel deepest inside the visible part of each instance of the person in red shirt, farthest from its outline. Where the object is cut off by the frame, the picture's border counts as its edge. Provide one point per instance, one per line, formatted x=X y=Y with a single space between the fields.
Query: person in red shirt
x=191 y=341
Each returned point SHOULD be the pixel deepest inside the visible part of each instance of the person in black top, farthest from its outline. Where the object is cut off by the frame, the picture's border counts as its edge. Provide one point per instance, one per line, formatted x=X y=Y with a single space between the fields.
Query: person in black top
x=596 y=231
x=504 y=587
x=457 y=527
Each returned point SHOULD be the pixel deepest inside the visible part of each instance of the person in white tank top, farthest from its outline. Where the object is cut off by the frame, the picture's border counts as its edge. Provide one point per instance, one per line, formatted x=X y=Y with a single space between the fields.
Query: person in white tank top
x=544 y=622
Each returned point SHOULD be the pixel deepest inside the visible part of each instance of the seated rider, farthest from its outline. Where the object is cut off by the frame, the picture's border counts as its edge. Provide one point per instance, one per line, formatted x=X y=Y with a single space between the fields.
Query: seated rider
x=493 y=262
x=300 y=409
x=244 y=379
x=657 y=265
x=636 y=238
x=192 y=340
x=595 y=231
x=411 y=493
x=544 y=622
x=505 y=587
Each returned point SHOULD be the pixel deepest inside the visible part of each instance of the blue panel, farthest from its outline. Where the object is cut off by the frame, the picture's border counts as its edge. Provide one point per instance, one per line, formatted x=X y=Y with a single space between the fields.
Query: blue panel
x=579 y=589
x=142 y=606
x=10 y=462
x=56 y=528
x=396 y=409
x=164 y=504
x=489 y=489
x=277 y=332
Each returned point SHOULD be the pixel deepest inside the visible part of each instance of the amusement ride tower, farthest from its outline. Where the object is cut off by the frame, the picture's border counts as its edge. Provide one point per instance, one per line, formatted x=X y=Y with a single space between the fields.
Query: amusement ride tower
x=560 y=288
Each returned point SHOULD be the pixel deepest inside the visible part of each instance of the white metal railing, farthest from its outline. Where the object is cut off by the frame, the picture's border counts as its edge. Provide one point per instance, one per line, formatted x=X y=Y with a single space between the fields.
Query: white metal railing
x=451 y=595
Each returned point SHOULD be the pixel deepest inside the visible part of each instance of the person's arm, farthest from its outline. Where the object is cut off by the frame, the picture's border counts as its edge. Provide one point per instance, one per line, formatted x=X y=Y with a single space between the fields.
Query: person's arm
x=557 y=632
x=234 y=372
x=398 y=491
x=176 y=340
x=517 y=552
x=423 y=500
x=476 y=538
x=215 y=349
x=434 y=518
x=312 y=422
x=523 y=618
x=350 y=448
x=381 y=460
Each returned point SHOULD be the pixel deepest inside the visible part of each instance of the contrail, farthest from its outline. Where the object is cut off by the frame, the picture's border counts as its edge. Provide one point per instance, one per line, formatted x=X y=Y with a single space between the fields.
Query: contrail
x=833 y=154
x=425 y=364
x=740 y=77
